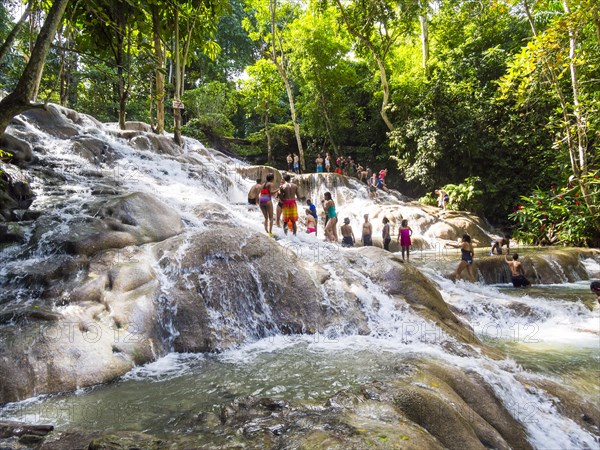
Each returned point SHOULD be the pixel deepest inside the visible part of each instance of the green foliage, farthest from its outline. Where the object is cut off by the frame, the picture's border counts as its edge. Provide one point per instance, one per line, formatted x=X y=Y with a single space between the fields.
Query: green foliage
x=466 y=196
x=208 y=125
x=559 y=215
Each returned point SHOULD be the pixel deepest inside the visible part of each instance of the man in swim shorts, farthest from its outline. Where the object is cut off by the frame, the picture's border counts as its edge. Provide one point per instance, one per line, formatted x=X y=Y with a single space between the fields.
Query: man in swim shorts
x=367 y=231
x=517 y=273
x=347 y=234
x=254 y=193
x=289 y=207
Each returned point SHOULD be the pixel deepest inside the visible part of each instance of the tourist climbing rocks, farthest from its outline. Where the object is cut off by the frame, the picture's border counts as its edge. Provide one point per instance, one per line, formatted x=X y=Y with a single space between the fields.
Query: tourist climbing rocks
x=499 y=243
x=404 y=235
x=347 y=234
x=385 y=234
x=516 y=270
x=367 y=232
x=289 y=207
x=331 y=225
x=327 y=162
x=265 y=203
x=290 y=162
x=466 y=256
x=373 y=187
x=254 y=194
x=296 y=163
x=443 y=198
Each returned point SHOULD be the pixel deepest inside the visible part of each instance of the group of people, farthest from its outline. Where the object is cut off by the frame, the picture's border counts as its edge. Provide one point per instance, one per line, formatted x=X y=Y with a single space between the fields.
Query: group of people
x=262 y=194
x=286 y=215
x=467 y=253
x=344 y=165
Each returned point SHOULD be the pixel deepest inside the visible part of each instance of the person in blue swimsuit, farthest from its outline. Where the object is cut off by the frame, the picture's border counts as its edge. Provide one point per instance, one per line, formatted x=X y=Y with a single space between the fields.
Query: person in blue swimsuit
x=466 y=257
x=331 y=226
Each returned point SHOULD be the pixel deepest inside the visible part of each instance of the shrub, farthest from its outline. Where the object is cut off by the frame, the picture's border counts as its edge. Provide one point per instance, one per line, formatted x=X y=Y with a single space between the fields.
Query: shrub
x=559 y=215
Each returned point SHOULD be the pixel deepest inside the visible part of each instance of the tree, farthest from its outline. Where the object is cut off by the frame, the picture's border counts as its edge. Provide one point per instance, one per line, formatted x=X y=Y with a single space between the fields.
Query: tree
x=564 y=46
x=270 y=27
x=320 y=46
x=19 y=100
x=377 y=25
x=197 y=20
x=260 y=93
x=8 y=42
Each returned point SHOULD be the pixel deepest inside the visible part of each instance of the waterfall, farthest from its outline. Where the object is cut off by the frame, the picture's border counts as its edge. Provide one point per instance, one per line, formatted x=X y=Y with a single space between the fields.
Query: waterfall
x=201 y=276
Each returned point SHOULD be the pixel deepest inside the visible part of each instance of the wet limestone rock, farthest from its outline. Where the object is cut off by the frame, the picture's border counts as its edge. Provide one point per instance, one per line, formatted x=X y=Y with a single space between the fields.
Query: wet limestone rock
x=131 y=219
x=100 y=330
x=54 y=120
x=231 y=285
x=552 y=265
x=405 y=282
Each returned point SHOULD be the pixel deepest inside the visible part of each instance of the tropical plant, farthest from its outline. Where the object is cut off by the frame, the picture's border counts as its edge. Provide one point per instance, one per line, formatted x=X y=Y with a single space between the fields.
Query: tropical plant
x=559 y=215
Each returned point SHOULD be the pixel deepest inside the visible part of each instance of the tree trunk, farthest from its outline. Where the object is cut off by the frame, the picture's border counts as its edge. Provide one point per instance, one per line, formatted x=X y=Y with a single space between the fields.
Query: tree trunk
x=380 y=64
x=580 y=123
x=13 y=33
x=177 y=111
x=159 y=88
x=386 y=92
x=19 y=100
x=286 y=81
x=268 y=135
x=424 y=43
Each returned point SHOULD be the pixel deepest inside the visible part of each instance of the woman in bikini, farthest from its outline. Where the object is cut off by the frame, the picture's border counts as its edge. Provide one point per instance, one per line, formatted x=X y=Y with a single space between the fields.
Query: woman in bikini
x=265 y=203
x=466 y=256
x=331 y=227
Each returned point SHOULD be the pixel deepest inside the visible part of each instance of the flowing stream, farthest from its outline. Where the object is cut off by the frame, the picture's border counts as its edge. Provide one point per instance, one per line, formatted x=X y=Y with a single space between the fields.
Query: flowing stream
x=545 y=331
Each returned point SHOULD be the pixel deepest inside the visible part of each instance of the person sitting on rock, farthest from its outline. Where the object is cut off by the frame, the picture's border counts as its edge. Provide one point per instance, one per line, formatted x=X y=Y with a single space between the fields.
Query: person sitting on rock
x=518 y=274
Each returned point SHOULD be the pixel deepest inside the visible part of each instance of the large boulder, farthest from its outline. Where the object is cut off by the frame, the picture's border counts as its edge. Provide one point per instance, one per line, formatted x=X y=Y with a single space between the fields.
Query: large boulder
x=97 y=330
x=556 y=265
x=232 y=285
x=132 y=219
x=15 y=191
x=21 y=151
x=54 y=120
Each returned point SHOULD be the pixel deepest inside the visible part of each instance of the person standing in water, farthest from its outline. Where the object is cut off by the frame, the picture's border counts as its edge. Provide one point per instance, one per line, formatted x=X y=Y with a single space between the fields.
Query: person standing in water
x=404 y=235
x=319 y=163
x=466 y=256
x=265 y=203
x=517 y=273
x=254 y=193
x=385 y=234
x=312 y=210
x=290 y=162
x=330 y=227
x=290 y=208
x=367 y=232
x=347 y=234
x=327 y=162
x=296 y=164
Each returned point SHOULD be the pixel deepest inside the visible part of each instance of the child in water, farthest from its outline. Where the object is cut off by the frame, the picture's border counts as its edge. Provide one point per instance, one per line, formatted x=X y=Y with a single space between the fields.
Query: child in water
x=311 y=223
x=404 y=235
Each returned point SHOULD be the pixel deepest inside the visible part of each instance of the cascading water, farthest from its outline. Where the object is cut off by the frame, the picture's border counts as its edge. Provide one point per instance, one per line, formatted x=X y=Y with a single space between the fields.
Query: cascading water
x=370 y=332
